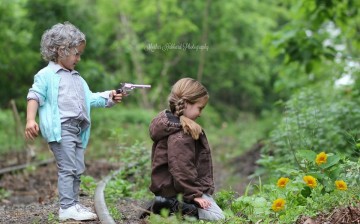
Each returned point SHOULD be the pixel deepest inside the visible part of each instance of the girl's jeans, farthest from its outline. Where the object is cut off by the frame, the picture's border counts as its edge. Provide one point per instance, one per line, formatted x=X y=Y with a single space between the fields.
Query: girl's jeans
x=69 y=156
x=212 y=213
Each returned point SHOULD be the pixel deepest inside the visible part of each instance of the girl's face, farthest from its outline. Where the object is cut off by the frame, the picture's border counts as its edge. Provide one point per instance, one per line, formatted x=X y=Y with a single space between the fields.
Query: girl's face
x=193 y=111
x=69 y=62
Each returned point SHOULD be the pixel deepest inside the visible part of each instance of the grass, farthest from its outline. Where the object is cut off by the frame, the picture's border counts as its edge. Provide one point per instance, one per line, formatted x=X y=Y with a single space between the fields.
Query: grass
x=262 y=202
x=132 y=144
x=121 y=135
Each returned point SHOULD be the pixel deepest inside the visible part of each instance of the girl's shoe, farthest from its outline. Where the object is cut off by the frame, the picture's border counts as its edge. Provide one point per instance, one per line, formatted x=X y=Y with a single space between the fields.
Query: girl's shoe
x=173 y=205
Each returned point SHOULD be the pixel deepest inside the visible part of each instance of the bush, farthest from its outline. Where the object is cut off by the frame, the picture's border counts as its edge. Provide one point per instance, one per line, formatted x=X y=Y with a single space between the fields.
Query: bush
x=314 y=120
x=10 y=138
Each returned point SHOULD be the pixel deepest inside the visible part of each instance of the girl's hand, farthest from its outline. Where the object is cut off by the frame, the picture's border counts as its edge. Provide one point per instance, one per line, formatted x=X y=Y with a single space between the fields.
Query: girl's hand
x=203 y=203
x=31 y=130
x=116 y=97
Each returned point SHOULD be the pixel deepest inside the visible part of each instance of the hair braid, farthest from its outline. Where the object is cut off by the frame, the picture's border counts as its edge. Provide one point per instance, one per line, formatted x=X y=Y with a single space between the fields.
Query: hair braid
x=179 y=108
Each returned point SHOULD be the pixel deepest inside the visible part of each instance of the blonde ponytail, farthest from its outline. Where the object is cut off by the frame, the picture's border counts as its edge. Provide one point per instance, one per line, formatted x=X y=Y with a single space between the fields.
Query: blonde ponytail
x=190 y=127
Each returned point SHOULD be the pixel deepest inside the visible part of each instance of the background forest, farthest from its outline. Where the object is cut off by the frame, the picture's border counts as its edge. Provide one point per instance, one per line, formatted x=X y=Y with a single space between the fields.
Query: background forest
x=254 y=52
x=283 y=72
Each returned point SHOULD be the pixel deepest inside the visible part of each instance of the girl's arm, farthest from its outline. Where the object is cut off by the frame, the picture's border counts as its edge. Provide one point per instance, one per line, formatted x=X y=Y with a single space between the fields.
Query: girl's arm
x=32 y=128
x=202 y=202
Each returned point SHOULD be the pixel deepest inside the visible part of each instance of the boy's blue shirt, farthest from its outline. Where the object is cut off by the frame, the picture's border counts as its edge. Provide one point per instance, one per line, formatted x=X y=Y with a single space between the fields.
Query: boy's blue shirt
x=46 y=84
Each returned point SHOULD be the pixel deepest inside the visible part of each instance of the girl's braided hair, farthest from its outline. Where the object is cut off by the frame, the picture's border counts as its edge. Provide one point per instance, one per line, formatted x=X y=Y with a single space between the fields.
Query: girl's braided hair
x=187 y=90
x=60 y=37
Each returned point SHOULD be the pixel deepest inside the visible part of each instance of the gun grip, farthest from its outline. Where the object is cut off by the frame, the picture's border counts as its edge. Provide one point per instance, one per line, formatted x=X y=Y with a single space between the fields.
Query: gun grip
x=118 y=91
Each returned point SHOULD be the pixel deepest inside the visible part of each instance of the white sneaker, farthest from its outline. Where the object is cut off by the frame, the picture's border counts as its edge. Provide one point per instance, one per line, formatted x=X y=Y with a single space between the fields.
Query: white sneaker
x=76 y=212
x=84 y=208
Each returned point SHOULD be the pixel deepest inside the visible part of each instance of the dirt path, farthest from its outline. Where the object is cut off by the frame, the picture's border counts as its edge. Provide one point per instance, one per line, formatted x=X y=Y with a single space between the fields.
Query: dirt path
x=34 y=193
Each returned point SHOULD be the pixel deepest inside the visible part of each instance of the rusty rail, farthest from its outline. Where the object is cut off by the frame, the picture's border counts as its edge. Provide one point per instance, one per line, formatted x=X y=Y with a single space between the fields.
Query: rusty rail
x=23 y=166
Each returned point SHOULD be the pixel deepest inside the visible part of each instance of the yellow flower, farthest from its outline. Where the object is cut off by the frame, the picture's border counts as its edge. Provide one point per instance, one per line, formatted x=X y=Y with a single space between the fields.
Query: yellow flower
x=310 y=181
x=282 y=182
x=341 y=185
x=278 y=205
x=321 y=158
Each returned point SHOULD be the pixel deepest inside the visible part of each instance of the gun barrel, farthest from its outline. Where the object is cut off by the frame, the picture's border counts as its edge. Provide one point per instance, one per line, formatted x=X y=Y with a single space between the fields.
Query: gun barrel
x=141 y=86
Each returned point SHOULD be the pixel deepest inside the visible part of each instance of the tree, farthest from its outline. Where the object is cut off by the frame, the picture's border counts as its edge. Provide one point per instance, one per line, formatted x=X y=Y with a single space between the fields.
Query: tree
x=15 y=59
x=316 y=42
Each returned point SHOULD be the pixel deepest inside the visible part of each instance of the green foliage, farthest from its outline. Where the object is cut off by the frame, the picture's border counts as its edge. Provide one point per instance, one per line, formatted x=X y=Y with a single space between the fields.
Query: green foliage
x=52 y=218
x=132 y=180
x=15 y=37
x=122 y=53
x=4 y=193
x=224 y=198
x=120 y=126
x=115 y=213
x=231 y=139
x=10 y=138
x=316 y=44
x=165 y=220
x=118 y=188
x=300 y=199
x=137 y=158
x=88 y=184
x=321 y=120
x=236 y=53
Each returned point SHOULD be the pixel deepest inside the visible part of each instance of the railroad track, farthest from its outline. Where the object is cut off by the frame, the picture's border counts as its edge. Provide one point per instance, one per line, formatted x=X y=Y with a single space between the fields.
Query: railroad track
x=101 y=208
x=99 y=200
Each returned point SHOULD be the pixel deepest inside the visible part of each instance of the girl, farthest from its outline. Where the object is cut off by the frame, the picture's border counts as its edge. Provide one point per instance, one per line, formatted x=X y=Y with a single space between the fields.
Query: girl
x=181 y=156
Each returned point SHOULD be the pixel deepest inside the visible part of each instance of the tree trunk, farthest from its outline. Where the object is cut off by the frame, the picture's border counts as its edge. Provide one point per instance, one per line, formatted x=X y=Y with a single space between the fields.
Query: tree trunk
x=204 y=39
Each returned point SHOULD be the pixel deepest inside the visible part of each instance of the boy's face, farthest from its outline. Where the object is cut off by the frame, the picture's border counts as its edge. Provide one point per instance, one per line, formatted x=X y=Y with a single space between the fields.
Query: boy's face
x=69 y=62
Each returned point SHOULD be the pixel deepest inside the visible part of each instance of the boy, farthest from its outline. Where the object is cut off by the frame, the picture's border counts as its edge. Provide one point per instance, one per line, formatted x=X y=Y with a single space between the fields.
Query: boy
x=64 y=99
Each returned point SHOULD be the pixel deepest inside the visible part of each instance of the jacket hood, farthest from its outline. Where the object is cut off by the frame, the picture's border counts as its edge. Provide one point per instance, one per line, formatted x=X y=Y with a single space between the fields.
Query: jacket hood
x=163 y=125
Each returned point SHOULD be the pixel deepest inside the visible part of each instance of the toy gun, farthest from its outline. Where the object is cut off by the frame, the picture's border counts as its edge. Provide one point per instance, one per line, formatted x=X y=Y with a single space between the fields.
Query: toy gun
x=127 y=87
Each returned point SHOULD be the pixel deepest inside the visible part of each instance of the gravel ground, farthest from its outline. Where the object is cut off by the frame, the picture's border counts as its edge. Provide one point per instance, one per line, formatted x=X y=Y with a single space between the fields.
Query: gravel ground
x=36 y=212
x=34 y=194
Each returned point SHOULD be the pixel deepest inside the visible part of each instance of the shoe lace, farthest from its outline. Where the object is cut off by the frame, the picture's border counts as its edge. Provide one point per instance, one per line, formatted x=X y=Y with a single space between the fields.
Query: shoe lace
x=82 y=208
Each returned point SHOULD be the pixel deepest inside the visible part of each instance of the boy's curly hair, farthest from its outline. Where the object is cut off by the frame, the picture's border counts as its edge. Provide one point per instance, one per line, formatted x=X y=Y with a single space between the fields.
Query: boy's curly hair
x=61 y=36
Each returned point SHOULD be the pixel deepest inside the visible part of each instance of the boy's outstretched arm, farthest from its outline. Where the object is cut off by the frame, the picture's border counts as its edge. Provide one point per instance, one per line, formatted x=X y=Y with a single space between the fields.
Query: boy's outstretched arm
x=32 y=128
x=116 y=97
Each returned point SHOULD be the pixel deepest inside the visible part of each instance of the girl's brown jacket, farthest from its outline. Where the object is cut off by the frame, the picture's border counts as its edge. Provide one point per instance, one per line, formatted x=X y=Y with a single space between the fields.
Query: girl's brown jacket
x=180 y=164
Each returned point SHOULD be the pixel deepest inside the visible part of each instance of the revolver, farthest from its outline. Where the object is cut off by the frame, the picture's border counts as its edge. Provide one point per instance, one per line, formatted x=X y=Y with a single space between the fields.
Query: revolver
x=126 y=87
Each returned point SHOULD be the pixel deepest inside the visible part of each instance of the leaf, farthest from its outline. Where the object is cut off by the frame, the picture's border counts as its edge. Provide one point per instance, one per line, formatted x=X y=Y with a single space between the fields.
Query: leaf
x=318 y=176
x=334 y=174
x=259 y=202
x=306 y=192
x=331 y=161
x=309 y=155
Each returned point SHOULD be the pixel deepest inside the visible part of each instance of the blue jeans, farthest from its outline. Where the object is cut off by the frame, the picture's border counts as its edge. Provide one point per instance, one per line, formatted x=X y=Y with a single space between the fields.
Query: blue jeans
x=69 y=156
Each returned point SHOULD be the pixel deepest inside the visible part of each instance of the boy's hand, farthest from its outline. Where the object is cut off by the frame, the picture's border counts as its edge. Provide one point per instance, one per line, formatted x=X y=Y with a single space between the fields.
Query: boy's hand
x=203 y=203
x=116 y=97
x=31 y=130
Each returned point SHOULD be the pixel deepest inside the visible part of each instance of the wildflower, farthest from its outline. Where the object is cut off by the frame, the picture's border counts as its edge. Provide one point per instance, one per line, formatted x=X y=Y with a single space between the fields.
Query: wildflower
x=321 y=158
x=282 y=182
x=310 y=181
x=341 y=185
x=278 y=205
